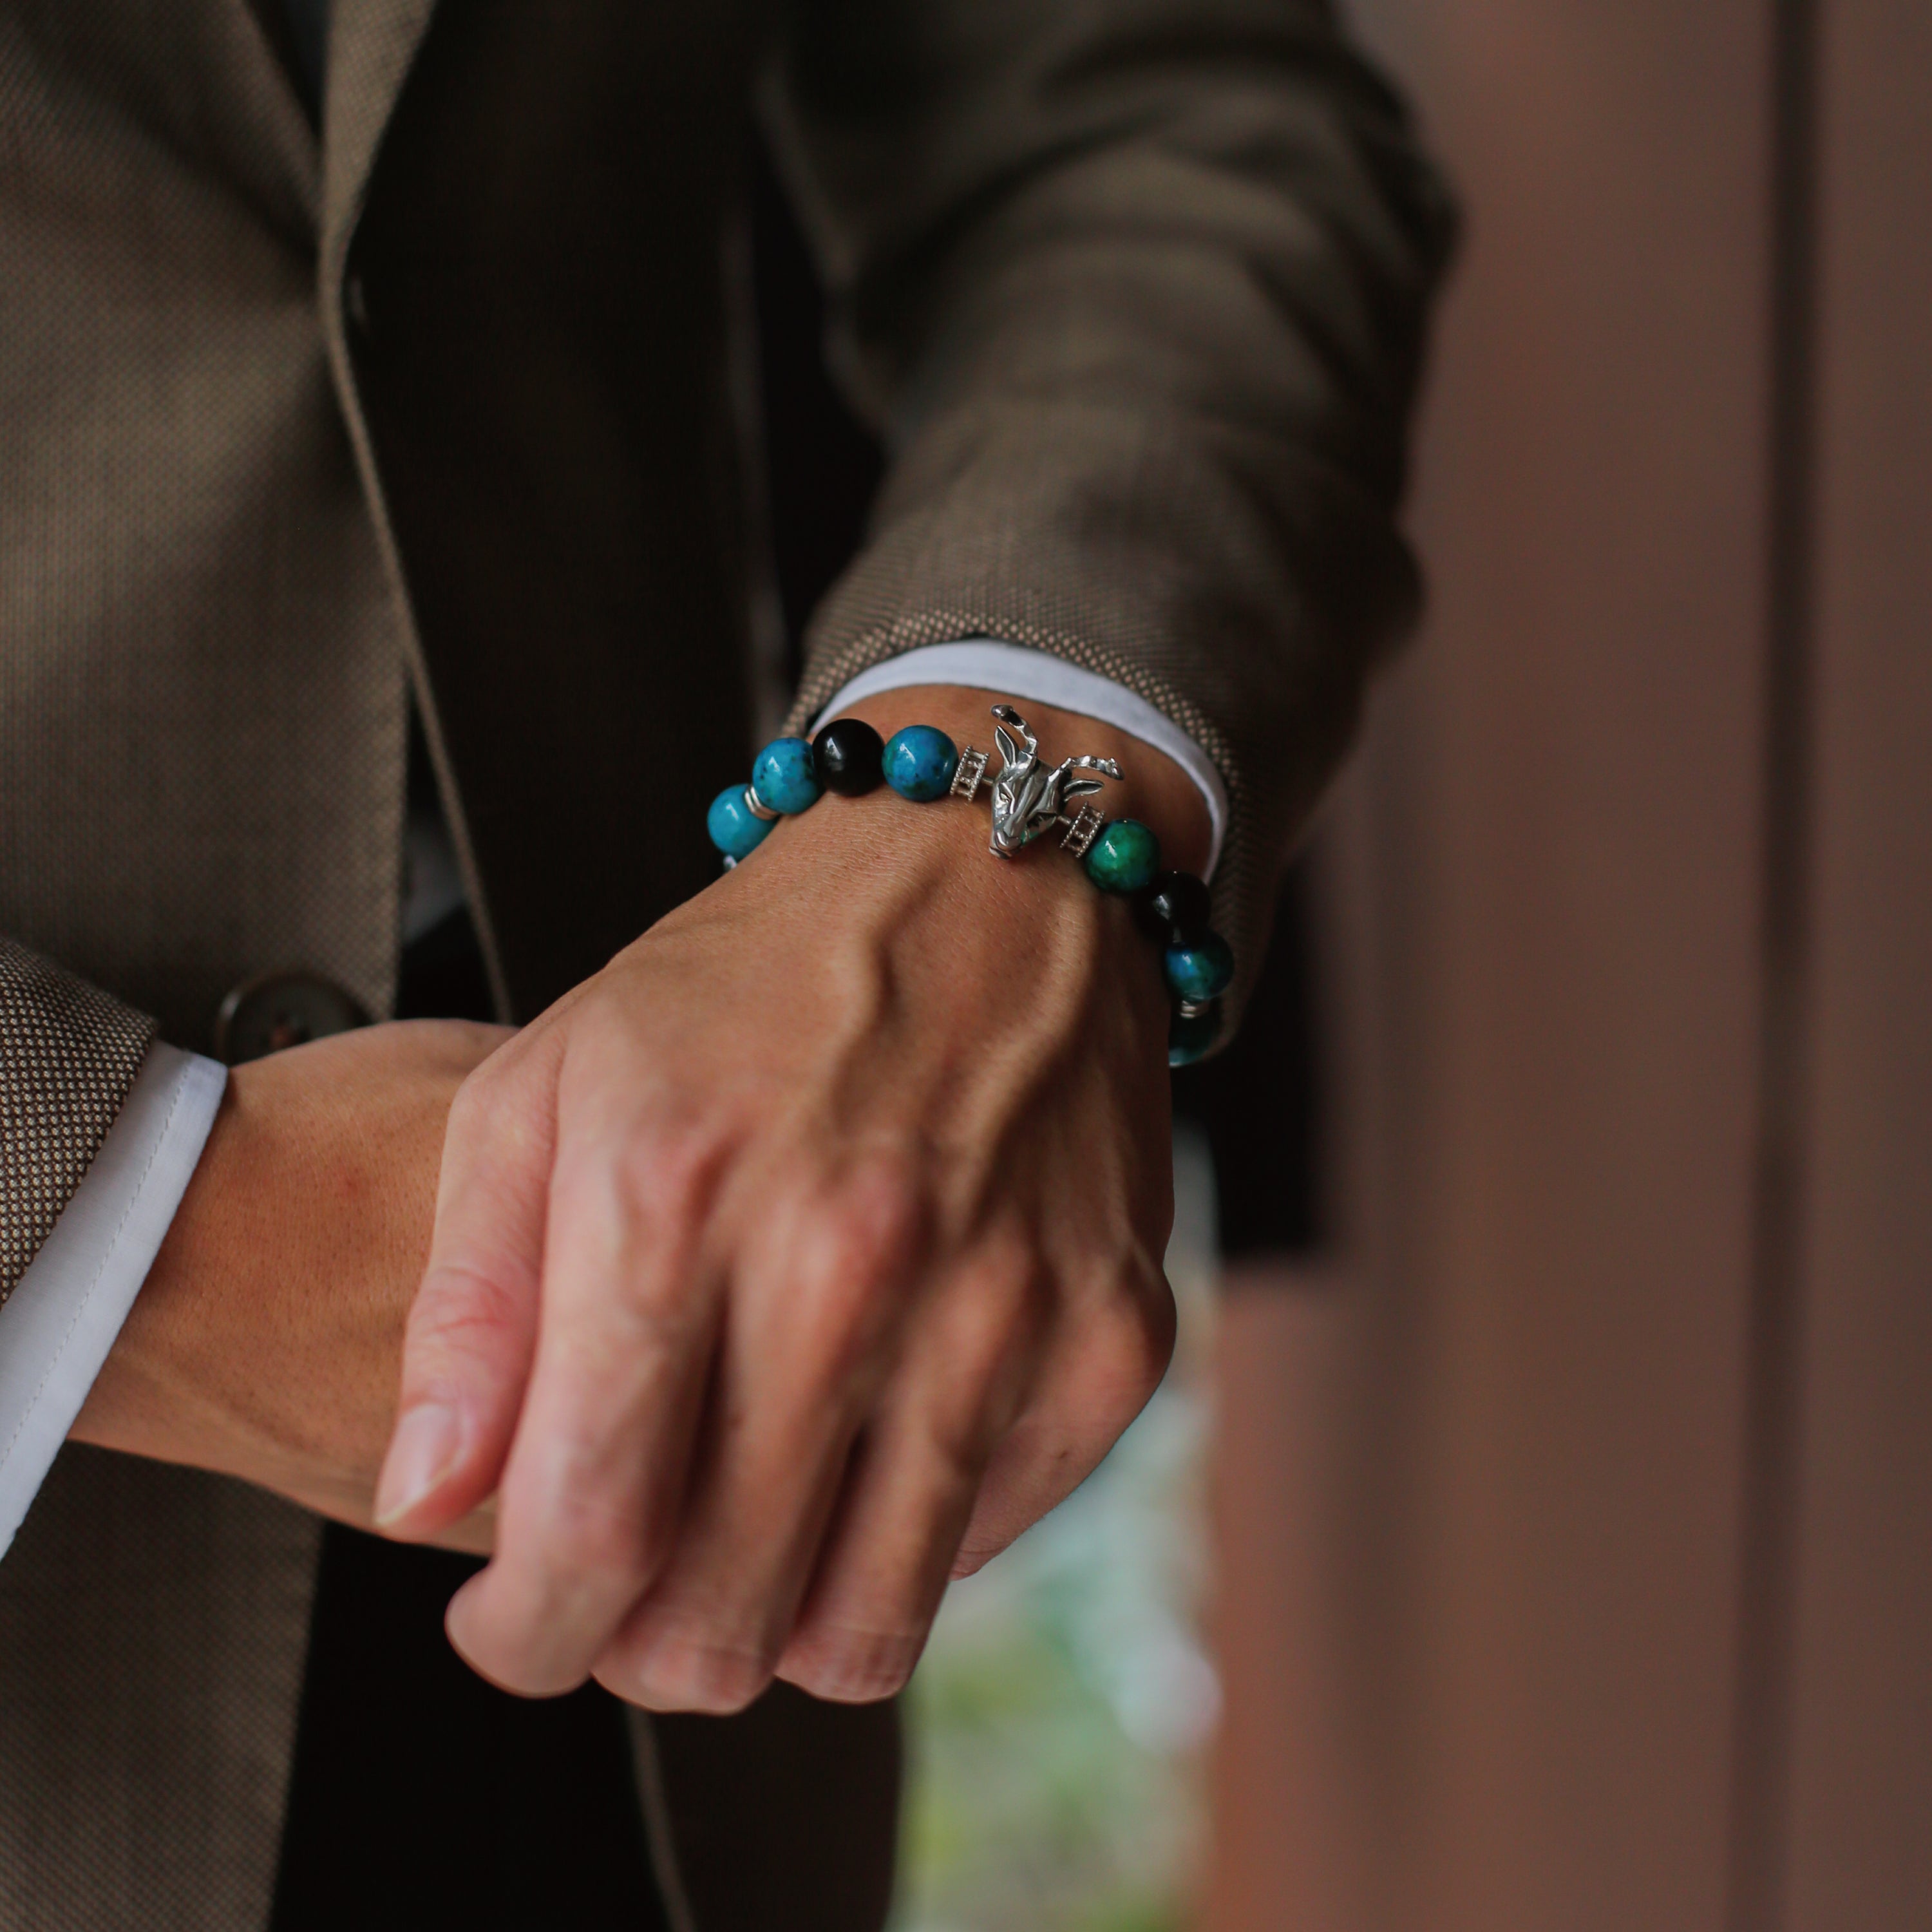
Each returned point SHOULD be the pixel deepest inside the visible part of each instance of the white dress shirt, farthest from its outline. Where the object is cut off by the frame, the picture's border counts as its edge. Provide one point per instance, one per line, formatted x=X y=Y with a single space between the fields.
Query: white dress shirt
x=58 y=1324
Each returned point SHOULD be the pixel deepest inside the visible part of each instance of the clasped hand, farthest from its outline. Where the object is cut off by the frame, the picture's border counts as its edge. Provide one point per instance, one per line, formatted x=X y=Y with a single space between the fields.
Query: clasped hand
x=793 y=1263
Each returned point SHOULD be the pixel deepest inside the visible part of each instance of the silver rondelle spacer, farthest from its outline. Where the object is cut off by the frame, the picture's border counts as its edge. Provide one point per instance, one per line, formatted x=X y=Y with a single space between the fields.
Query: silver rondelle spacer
x=758 y=808
x=1192 y=1009
x=971 y=773
x=1082 y=829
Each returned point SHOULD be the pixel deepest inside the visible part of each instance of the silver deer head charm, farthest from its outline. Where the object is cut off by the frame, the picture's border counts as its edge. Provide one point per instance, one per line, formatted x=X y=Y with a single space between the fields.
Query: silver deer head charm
x=1029 y=800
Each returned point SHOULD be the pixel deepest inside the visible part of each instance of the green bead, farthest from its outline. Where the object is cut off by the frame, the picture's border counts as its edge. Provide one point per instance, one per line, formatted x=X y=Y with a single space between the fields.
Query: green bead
x=1124 y=858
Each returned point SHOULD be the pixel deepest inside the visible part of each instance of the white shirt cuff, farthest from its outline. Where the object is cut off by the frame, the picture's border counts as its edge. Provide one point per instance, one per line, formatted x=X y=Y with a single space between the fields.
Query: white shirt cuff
x=59 y=1323
x=985 y=663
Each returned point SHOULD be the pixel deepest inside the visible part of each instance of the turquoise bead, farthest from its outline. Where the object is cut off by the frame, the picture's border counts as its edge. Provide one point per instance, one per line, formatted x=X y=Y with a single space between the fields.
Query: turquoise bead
x=920 y=762
x=784 y=775
x=1190 y=1035
x=1124 y=858
x=735 y=829
x=1199 y=973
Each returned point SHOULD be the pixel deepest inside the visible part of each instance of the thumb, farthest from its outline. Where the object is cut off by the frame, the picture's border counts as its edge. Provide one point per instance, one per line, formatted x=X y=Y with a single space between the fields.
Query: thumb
x=472 y=1332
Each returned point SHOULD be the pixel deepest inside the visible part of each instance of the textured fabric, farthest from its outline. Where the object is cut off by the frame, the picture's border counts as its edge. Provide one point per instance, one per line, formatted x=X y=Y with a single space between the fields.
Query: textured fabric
x=202 y=716
x=526 y=300
x=68 y=1055
x=784 y=1816
x=202 y=690
x=423 y=1798
x=63 y=1319
x=152 y=1622
x=308 y=27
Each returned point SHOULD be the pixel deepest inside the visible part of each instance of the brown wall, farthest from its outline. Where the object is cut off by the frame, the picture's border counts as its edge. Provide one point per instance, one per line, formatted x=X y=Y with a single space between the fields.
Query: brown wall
x=1859 y=1848
x=1538 y=1442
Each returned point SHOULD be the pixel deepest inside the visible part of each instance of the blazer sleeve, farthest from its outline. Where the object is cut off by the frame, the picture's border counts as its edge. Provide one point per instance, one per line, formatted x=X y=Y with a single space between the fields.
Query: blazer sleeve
x=69 y=1055
x=1136 y=290
x=102 y=1126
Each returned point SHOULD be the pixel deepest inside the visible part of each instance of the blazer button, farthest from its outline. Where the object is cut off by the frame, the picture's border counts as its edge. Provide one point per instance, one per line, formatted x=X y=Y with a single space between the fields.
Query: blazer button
x=282 y=1010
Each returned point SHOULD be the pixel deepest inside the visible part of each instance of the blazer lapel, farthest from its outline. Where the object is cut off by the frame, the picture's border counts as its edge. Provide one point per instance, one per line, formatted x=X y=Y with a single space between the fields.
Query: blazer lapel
x=276 y=138
x=371 y=43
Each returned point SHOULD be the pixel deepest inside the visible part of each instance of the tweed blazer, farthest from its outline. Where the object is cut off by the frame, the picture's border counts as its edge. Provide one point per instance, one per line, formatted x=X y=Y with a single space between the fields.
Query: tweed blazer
x=446 y=396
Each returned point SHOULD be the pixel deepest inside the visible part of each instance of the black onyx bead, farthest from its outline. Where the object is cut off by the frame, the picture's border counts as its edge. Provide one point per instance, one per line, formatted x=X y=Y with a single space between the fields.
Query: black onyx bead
x=849 y=752
x=1174 y=910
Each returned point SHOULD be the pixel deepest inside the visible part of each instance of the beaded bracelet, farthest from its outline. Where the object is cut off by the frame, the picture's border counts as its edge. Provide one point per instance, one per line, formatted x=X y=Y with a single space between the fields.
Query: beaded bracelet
x=922 y=763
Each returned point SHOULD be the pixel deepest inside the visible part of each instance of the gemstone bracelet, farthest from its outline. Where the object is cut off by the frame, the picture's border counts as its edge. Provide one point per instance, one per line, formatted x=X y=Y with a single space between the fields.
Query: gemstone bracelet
x=921 y=763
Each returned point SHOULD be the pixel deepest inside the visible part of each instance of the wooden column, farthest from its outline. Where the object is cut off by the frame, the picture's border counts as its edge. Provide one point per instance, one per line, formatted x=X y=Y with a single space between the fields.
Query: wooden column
x=1858 y=1783
x=1588 y=1497
x=1546 y=981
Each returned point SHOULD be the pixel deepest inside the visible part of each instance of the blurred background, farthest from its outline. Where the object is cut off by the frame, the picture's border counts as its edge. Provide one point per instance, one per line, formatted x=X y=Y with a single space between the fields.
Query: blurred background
x=1535 y=1534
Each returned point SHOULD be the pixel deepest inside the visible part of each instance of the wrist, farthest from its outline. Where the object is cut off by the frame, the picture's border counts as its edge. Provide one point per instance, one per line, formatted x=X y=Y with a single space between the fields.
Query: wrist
x=265 y=1341
x=1152 y=788
x=1151 y=821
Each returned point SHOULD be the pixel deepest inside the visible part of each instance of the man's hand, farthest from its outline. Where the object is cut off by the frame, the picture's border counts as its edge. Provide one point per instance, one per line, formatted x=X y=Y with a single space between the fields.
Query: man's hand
x=267 y=1341
x=803 y=1257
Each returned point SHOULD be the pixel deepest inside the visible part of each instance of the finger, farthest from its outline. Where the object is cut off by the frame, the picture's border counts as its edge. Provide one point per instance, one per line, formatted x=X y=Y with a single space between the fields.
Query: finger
x=813 y=1324
x=467 y=1349
x=1105 y=1358
x=596 y=1475
x=913 y=1481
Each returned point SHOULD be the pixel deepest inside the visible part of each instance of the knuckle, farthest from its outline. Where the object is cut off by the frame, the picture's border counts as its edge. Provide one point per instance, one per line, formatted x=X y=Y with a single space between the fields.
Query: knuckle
x=850 y=1259
x=683 y=1674
x=1005 y=1304
x=839 y=1315
x=662 y=1183
x=652 y=1194
x=981 y=1353
x=462 y=1315
x=844 y=1665
x=958 y=1438
x=864 y=1234
x=666 y=1174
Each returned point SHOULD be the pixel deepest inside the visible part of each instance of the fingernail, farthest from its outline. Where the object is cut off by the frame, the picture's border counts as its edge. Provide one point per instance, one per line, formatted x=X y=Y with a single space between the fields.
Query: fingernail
x=422 y=1453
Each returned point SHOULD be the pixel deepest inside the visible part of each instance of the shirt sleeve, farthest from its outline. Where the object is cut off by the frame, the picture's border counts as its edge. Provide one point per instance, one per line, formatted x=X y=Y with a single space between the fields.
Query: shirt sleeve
x=1014 y=670
x=57 y=1326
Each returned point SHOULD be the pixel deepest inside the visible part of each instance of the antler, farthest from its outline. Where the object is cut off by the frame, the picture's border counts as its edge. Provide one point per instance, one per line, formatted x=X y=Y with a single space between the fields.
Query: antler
x=1006 y=714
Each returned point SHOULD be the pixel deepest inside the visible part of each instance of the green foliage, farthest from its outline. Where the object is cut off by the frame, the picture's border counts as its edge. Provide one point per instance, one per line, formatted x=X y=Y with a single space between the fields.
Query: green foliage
x=1057 y=1720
